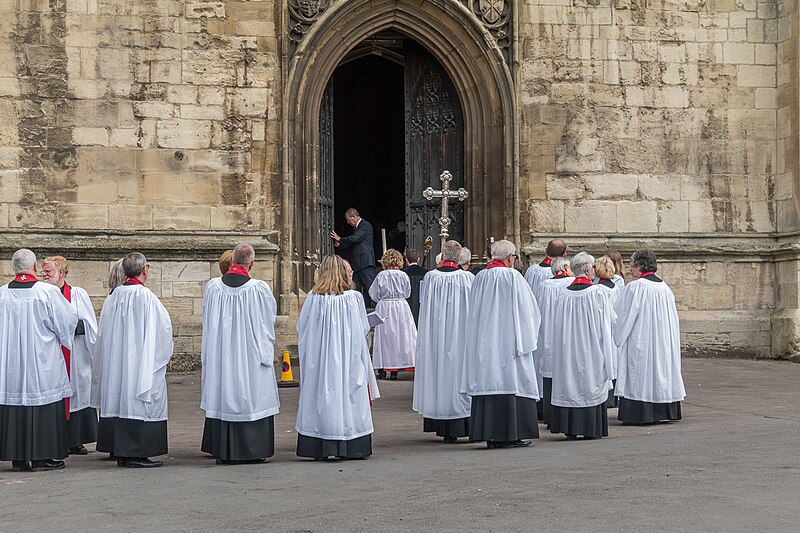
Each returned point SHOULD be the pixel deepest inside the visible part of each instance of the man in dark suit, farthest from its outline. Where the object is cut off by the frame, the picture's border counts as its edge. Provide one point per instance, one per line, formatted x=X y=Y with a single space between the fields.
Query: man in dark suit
x=415 y=274
x=362 y=257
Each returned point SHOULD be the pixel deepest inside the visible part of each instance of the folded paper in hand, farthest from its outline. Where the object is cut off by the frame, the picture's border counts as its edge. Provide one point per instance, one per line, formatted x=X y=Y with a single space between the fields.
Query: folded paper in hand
x=375 y=319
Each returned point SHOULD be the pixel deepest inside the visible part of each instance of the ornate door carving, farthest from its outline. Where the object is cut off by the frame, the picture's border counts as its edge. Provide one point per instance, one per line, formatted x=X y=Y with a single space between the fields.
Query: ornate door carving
x=434 y=142
x=325 y=161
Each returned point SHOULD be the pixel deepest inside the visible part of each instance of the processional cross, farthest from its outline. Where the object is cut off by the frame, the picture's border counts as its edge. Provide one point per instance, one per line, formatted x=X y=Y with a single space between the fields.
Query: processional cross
x=445 y=194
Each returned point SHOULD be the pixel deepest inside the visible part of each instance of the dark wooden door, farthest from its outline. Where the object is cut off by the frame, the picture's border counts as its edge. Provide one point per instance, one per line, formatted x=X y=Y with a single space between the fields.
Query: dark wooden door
x=326 y=191
x=434 y=143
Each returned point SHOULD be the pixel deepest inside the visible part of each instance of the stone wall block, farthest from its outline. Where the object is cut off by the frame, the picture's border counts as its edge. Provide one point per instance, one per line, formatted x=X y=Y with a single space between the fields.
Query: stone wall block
x=673 y=217
x=546 y=216
x=639 y=216
x=197 y=10
x=591 y=217
x=82 y=216
x=183 y=133
x=130 y=217
x=182 y=218
x=565 y=186
x=611 y=186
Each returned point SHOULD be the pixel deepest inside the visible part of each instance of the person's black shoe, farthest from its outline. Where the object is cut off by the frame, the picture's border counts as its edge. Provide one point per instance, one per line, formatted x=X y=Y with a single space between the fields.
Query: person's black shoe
x=381 y=374
x=142 y=462
x=20 y=466
x=49 y=464
x=121 y=461
x=80 y=449
x=451 y=440
x=519 y=443
x=393 y=376
x=572 y=437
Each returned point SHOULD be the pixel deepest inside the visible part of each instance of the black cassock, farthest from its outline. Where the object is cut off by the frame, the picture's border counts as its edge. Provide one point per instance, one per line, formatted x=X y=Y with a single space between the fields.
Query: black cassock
x=415 y=274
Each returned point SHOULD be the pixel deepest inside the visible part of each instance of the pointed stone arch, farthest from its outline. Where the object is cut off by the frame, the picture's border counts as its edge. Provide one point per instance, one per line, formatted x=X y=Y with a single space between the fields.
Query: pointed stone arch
x=472 y=59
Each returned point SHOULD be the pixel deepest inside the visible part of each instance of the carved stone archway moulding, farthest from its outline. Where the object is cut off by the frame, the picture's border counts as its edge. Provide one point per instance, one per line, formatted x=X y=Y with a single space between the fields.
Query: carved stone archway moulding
x=470 y=55
x=495 y=15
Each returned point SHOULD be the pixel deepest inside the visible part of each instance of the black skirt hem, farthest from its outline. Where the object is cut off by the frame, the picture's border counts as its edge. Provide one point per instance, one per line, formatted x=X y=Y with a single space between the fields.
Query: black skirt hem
x=124 y=437
x=589 y=422
x=456 y=427
x=239 y=441
x=33 y=433
x=547 y=407
x=503 y=418
x=638 y=412
x=316 y=448
x=82 y=427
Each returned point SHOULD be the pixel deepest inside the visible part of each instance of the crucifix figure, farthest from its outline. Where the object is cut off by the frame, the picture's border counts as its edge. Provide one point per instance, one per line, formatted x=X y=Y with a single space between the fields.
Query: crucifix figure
x=445 y=194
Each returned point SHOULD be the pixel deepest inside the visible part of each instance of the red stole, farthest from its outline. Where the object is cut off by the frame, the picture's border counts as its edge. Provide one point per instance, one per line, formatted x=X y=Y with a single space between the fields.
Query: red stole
x=645 y=274
x=66 y=290
x=496 y=263
x=238 y=269
x=547 y=261
x=133 y=281
x=581 y=280
x=450 y=264
x=25 y=278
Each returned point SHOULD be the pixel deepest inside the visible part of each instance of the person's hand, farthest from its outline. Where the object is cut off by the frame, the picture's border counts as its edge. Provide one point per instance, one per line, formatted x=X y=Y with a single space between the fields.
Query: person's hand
x=335 y=236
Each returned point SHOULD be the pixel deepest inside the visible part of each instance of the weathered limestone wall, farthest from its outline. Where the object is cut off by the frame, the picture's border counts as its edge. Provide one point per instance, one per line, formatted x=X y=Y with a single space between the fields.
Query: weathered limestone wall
x=669 y=124
x=149 y=125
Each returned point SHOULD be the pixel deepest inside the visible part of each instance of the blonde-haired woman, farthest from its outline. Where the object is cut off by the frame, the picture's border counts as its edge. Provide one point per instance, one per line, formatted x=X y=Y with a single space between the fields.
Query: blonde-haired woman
x=337 y=381
x=619 y=269
x=396 y=339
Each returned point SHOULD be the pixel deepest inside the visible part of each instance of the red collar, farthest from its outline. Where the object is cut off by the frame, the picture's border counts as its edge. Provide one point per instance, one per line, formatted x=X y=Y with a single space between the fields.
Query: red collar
x=66 y=290
x=392 y=268
x=496 y=263
x=25 y=278
x=134 y=281
x=238 y=269
x=647 y=274
x=581 y=280
x=547 y=261
x=450 y=264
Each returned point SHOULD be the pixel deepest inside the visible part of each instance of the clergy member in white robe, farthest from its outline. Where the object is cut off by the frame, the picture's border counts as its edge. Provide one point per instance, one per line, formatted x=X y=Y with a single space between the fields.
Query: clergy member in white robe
x=134 y=345
x=240 y=393
x=395 y=340
x=441 y=347
x=582 y=321
x=36 y=321
x=547 y=295
x=499 y=371
x=606 y=272
x=649 y=382
x=539 y=272
x=82 y=420
x=337 y=380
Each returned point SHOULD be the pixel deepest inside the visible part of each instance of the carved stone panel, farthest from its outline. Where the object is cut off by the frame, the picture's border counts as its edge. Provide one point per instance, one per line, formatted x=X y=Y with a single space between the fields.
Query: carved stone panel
x=302 y=15
x=496 y=16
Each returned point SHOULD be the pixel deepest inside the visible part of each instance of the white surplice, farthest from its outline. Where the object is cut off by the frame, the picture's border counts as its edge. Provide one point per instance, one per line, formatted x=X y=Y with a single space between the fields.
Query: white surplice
x=502 y=332
x=649 y=340
x=582 y=355
x=441 y=345
x=80 y=359
x=238 y=352
x=613 y=294
x=337 y=379
x=536 y=274
x=396 y=339
x=618 y=280
x=35 y=322
x=546 y=296
x=134 y=345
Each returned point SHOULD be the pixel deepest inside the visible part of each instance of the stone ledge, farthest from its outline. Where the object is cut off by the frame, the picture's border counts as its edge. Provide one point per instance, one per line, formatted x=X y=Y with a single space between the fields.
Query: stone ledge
x=158 y=245
x=678 y=247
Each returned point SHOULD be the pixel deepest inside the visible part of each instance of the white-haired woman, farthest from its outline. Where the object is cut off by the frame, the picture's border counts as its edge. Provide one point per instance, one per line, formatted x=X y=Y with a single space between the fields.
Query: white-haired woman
x=582 y=367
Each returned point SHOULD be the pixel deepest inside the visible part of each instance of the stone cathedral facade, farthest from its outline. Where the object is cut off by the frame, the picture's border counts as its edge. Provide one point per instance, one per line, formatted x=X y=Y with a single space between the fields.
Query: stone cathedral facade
x=180 y=127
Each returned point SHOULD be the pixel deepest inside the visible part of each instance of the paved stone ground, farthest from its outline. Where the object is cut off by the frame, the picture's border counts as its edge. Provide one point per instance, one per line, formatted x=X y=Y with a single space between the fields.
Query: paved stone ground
x=732 y=464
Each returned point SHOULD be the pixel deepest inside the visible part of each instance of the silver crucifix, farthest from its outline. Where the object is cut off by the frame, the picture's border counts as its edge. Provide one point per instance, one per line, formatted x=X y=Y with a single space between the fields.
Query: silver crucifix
x=445 y=194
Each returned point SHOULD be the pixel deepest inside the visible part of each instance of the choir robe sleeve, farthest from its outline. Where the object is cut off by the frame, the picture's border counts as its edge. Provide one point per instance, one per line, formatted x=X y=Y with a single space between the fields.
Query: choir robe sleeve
x=86 y=313
x=63 y=318
x=157 y=347
x=627 y=309
x=526 y=317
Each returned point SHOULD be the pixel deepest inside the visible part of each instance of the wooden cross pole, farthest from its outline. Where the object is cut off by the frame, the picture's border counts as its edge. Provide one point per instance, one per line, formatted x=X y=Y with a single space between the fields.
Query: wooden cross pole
x=445 y=194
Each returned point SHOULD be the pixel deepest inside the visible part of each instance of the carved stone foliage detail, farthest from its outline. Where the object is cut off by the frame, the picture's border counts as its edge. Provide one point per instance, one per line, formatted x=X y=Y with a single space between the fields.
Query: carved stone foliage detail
x=496 y=17
x=302 y=15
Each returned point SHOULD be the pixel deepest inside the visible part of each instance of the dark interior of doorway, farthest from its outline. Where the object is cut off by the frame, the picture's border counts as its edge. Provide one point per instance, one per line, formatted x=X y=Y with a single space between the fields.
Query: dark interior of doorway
x=369 y=145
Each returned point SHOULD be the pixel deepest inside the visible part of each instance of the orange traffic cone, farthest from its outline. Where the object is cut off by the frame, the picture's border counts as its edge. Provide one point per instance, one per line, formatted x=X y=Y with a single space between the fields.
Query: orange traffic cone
x=287 y=380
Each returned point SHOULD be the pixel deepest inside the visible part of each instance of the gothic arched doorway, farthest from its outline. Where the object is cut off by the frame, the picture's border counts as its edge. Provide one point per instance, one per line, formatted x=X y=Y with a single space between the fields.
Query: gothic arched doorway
x=390 y=123
x=482 y=81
